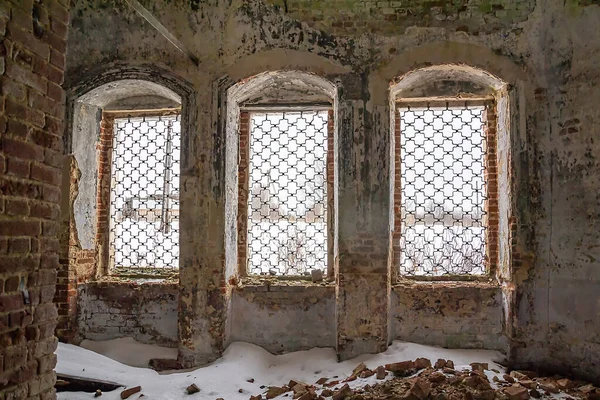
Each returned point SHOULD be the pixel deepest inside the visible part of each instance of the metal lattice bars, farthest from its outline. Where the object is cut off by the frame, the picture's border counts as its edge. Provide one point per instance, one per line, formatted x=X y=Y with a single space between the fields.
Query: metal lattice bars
x=144 y=202
x=287 y=193
x=444 y=192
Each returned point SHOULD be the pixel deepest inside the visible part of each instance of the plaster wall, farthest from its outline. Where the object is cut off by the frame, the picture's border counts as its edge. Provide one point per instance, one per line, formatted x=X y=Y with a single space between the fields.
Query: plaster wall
x=465 y=315
x=145 y=311
x=547 y=51
x=284 y=319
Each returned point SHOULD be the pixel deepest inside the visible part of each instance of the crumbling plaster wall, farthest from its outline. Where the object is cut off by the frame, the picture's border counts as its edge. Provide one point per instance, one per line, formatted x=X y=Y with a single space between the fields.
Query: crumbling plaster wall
x=463 y=315
x=284 y=318
x=146 y=311
x=549 y=54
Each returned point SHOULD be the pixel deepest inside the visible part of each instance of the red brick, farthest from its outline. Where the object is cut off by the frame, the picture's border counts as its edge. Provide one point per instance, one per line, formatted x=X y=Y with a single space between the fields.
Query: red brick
x=20 y=111
x=57 y=58
x=11 y=302
x=11 y=284
x=49 y=244
x=53 y=158
x=55 y=75
x=47 y=140
x=17 y=188
x=56 y=92
x=46 y=174
x=17 y=167
x=18 y=129
x=22 y=149
x=14 y=89
x=20 y=228
x=40 y=67
x=27 y=40
x=59 y=11
x=59 y=28
x=23 y=57
x=19 y=245
x=51 y=194
x=44 y=210
x=28 y=78
x=17 y=207
x=50 y=228
x=32 y=333
x=45 y=104
x=54 y=125
x=55 y=41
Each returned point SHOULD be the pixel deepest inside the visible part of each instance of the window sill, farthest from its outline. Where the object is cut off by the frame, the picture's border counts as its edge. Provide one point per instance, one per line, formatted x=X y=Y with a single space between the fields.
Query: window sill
x=484 y=281
x=141 y=277
x=280 y=284
x=447 y=278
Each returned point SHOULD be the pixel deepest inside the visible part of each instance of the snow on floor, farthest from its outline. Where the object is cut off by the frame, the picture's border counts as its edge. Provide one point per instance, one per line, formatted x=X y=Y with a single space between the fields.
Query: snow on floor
x=128 y=351
x=243 y=361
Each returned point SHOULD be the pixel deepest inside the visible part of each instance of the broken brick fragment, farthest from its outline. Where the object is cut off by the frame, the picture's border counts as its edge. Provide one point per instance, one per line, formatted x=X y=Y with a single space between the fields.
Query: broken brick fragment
x=478 y=366
x=125 y=394
x=422 y=363
x=419 y=390
x=342 y=392
x=275 y=391
x=192 y=389
x=401 y=367
x=517 y=392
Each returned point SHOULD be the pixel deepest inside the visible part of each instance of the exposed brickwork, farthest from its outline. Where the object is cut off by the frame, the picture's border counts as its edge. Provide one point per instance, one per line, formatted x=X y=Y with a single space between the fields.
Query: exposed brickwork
x=104 y=149
x=32 y=54
x=330 y=190
x=357 y=16
x=491 y=177
x=243 y=177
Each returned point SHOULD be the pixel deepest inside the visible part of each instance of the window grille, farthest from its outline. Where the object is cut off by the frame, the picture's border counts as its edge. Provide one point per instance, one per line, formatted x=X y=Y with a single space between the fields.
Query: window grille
x=144 y=203
x=287 y=193
x=444 y=192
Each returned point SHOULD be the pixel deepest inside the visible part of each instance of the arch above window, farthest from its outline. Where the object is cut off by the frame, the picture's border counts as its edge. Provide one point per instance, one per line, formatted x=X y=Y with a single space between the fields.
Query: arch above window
x=268 y=116
x=451 y=197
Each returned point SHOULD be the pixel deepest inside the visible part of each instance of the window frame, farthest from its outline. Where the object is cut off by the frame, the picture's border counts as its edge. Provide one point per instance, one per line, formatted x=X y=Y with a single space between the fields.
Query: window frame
x=104 y=149
x=490 y=127
x=244 y=131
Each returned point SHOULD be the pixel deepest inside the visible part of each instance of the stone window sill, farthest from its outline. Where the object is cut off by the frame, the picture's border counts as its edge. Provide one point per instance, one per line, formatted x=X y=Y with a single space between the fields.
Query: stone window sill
x=481 y=282
x=448 y=278
x=275 y=284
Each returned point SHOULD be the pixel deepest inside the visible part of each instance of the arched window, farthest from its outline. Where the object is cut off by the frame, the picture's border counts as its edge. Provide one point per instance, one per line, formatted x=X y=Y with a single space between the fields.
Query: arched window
x=285 y=175
x=127 y=209
x=446 y=219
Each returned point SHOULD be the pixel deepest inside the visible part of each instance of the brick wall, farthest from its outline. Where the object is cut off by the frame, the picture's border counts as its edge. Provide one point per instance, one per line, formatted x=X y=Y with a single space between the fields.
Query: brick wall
x=243 y=179
x=32 y=61
x=104 y=149
x=393 y=17
x=491 y=177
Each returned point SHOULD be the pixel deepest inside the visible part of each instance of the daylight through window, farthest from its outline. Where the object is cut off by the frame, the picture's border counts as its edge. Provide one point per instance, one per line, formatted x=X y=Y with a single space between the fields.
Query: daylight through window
x=444 y=190
x=144 y=203
x=287 y=193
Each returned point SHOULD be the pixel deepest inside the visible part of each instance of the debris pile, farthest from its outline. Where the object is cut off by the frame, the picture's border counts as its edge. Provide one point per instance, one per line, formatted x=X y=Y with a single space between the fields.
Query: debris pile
x=419 y=380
